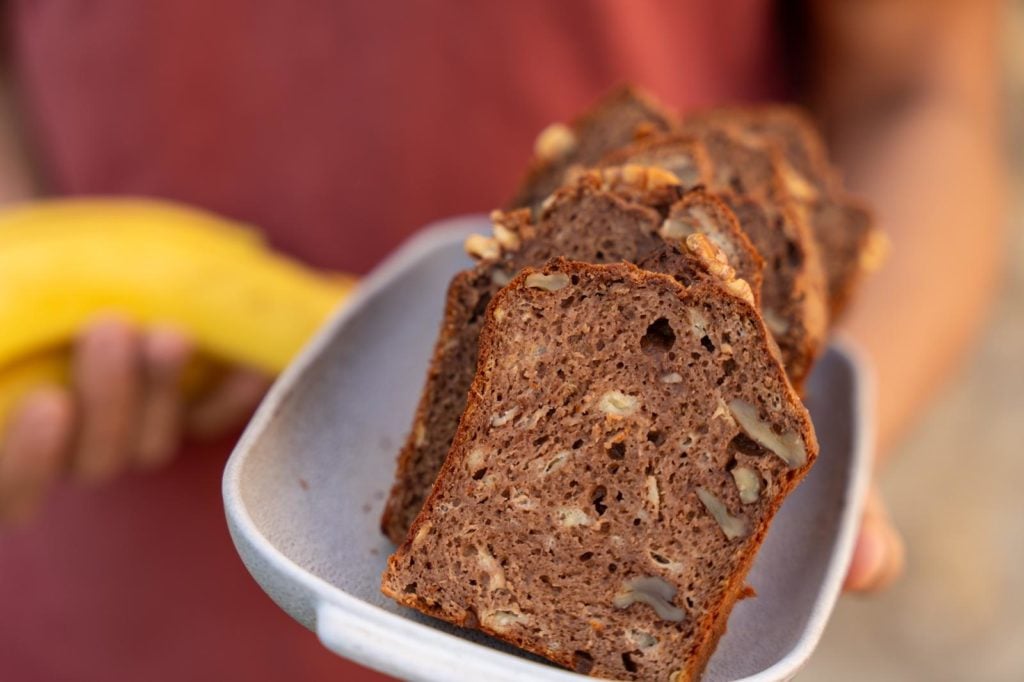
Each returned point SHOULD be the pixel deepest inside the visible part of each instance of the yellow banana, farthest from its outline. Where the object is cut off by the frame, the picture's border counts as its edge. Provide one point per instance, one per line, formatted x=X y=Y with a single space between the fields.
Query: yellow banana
x=106 y=218
x=62 y=262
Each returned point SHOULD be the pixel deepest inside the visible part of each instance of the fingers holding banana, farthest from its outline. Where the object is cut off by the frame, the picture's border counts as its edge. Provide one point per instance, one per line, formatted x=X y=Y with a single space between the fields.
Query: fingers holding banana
x=129 y=390
x=126 y=408
x=33 y=451
x=107 y=373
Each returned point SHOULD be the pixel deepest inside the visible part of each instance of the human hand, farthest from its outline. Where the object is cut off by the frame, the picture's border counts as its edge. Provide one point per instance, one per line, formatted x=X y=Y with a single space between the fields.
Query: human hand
x=879 y=555
x=124 y=411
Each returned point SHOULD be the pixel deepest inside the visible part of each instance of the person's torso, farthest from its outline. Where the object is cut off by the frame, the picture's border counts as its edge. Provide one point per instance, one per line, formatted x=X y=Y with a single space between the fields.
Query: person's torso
x=338 y=127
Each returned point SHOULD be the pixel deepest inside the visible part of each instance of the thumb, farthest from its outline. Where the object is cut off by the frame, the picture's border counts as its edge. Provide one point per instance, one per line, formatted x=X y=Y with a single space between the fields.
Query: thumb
x=879 y=556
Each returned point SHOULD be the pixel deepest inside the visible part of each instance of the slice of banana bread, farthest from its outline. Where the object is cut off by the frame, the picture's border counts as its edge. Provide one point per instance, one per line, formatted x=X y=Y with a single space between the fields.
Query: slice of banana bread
x=700 y=212
x=626 y=444
x=682 y=155
x=615 y=214
x=610 y=123
x=788 y=126
x=850 y=243
x=746 y=177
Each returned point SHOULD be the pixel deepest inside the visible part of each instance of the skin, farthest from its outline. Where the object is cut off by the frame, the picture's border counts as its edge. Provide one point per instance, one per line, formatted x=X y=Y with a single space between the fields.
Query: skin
x=908 y=92
x=906 y=123
x=124 y=412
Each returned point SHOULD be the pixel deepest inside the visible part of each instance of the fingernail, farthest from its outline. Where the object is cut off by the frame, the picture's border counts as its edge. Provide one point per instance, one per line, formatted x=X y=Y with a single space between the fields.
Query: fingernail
x=167 y=347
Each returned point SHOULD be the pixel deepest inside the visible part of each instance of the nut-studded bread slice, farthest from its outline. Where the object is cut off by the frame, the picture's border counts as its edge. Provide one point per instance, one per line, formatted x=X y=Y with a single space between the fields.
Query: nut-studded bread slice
x=788 y=126
x=680 y=154
x=696 y=260
x=843 y=226
x=610 y=123
x=747 y=178
x=851 y=246
x=626 y=444
x=611 y=215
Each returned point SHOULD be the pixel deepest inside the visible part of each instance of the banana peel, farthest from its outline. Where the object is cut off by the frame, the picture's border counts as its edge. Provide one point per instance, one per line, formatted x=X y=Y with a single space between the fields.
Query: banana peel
x=65 y=261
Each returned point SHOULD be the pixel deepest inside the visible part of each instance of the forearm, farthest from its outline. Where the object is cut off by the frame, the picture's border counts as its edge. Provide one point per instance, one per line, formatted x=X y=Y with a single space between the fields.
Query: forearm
x=913 y=113
x=17 y=177
x=942 y=205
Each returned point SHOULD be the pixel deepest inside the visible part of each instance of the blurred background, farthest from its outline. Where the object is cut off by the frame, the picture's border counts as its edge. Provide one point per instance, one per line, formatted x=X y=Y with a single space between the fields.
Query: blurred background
x=954 y=487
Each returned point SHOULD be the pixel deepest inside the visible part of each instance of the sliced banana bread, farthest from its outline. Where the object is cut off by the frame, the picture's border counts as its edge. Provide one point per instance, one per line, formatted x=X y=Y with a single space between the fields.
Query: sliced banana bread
x=615 y=214
x=788 y=126
x=610 y=123
x=747 y=179
x=850 y=243
x=680 y=154
x=626 y=444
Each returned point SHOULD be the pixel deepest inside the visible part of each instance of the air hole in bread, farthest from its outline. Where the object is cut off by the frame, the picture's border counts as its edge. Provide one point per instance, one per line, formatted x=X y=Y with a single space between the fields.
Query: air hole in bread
x=793 y=255
x=582 y=662
x=659 y=337
x=746 y=445
x=659 y=558
x=600 y=492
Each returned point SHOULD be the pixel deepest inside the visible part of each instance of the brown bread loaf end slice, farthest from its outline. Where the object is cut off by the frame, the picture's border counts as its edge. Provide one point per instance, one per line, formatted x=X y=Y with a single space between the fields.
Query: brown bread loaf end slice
x=851 y=245
x=610 y=123
x=787 y=125
x=626 y=444
x=610 y=215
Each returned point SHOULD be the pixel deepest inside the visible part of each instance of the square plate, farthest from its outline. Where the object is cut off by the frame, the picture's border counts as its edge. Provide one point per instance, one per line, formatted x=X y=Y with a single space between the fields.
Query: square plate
x=305 y=486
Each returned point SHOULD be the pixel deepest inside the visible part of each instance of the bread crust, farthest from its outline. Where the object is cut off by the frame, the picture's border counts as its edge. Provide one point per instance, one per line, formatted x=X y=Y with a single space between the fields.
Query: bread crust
x=411 y=485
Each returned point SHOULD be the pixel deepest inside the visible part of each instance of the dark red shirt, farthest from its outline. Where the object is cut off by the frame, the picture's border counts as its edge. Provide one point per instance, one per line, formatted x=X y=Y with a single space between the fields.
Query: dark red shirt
x=339 y=127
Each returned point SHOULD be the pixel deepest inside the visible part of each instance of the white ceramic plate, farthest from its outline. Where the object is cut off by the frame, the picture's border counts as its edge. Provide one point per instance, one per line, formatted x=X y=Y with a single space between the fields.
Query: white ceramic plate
x=305 y=486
